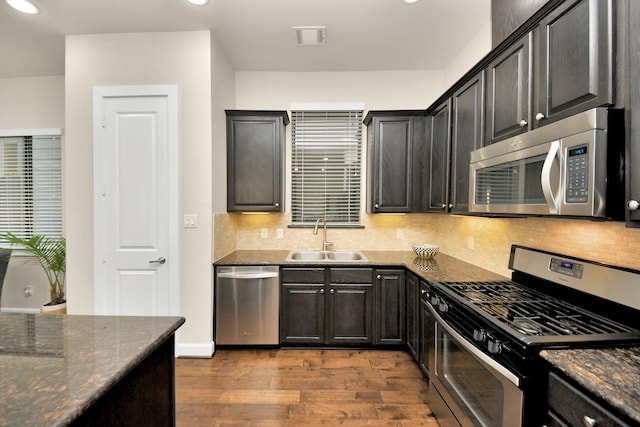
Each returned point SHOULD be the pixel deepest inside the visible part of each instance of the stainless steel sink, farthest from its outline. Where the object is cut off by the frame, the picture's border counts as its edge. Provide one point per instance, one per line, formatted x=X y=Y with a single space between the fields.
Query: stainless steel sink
x=325 y=256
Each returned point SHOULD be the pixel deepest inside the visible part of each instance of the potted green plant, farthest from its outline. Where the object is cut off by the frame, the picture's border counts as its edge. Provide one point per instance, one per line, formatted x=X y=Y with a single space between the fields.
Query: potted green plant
x=52 y=254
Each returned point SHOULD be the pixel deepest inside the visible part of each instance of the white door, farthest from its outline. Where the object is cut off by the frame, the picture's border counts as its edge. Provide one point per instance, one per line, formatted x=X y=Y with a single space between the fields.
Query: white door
x=135 y=201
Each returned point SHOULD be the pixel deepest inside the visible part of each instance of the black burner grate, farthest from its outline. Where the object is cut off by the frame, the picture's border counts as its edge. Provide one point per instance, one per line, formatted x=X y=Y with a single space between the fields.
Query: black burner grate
x=532 y=313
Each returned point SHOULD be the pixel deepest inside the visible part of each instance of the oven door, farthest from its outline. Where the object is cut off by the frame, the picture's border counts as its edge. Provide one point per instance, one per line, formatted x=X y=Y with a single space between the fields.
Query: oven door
x=469 y=388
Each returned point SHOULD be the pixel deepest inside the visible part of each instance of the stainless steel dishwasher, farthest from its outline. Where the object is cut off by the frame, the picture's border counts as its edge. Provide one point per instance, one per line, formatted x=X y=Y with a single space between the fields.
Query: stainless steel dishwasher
x=247 y=305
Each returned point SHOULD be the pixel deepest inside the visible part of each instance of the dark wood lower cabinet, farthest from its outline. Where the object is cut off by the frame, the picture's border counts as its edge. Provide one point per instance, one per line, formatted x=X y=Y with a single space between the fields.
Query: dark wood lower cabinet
x=570 y=406
x=332 y=306
x=412 y=285
x=390 y=307
x=426 y=333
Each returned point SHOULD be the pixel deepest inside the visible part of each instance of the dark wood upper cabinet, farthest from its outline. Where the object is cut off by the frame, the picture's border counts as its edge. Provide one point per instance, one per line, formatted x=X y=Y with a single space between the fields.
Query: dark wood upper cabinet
x=467 y=116
x=508 y=90
x=507 y=15
x=397 y=158
x=440 y=156
x=632 y=169
x=255 y=160
x=574 y=60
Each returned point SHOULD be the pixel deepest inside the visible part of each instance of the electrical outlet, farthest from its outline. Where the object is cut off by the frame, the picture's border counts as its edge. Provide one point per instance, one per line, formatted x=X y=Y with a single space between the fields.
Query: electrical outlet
x=470 y=243
x=280 y=233
x=400 y=234
x=264 y=233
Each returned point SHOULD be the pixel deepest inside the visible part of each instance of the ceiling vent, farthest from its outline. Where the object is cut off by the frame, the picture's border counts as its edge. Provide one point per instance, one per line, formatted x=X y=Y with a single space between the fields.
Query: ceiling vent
x=310 y=36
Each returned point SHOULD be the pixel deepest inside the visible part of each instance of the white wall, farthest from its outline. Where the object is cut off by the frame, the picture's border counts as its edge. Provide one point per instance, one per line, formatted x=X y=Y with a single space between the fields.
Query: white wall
x=379 y=90
x=28 y=103
x=469 y=56
x=180 y=58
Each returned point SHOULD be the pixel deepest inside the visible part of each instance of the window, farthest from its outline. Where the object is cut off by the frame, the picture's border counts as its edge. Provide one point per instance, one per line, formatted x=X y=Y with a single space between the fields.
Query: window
x=31 y=185
x=326 y=167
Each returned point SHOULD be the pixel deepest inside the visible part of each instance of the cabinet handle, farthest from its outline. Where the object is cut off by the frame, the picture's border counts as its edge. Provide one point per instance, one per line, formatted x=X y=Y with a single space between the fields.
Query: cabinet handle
x=332 y=292
x=423 y=291
x=633 y=205
x=277 y=205
x=376 y=206
x=321 y=291
x=587 y=421
x=523 y=123
x=444 y=206
x=539 y=116
x=378 y=277
x=450 y=205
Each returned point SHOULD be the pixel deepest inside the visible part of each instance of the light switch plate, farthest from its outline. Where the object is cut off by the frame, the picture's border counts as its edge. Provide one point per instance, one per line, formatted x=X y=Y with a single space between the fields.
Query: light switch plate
x=190 y=221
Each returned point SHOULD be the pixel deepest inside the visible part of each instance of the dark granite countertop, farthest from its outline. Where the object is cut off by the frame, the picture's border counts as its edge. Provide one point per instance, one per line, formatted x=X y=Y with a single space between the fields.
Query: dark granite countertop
x=613 y=374
x=440 y=268
x=53 y=367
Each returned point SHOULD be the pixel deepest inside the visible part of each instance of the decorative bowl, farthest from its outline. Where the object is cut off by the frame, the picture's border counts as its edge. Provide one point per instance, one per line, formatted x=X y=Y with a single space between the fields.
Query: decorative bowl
x=425 y=264
x=425 y=250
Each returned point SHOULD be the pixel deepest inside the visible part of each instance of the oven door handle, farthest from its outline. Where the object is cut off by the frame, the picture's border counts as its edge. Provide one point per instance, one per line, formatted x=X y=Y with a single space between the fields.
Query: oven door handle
x=475 y=351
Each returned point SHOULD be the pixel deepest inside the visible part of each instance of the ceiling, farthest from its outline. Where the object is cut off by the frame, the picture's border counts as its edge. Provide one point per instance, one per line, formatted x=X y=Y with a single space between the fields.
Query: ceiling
x=256 y=35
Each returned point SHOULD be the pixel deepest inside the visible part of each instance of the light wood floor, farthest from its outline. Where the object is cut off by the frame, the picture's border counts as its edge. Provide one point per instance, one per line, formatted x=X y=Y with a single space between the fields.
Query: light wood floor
x=287 y=387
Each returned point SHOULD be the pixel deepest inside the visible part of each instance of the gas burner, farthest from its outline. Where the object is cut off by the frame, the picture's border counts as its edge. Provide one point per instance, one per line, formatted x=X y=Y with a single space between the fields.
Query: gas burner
x=567 y=326
x=475 y=296
x=526 y=326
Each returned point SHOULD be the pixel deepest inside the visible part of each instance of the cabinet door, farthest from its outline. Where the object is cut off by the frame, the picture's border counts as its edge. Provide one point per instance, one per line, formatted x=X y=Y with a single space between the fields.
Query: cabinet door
x=632 y=164
x=413 y=314
x=392 y=164
x=302 y=313
x=350 y=314
x=574 y=60
x=426 y=331
x=466 y=136
x=508 y=79
x=390 y=307
x=439 y=163
x=255 y=162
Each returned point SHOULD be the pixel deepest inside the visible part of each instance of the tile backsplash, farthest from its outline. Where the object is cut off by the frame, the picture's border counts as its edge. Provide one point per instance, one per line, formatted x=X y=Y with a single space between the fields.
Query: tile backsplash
x=485 y=242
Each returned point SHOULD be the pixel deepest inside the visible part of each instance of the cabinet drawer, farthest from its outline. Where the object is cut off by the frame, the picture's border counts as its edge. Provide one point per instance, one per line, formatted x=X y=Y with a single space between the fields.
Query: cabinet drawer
x=351 y=275
x=303 y=275
x=574 y=406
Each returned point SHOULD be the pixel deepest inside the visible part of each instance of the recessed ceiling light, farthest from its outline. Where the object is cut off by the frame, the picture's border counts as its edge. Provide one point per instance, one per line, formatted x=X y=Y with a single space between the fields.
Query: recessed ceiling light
x=198 y=2
x=23 y=6
x=310 y=36
x=410 y=1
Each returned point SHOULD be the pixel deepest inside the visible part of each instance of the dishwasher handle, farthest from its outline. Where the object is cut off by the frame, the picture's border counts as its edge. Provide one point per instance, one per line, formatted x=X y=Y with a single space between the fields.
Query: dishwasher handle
x=249 y=275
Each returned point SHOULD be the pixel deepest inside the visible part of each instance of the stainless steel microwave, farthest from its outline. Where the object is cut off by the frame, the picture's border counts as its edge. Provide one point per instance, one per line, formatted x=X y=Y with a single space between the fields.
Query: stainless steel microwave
x=572 y=167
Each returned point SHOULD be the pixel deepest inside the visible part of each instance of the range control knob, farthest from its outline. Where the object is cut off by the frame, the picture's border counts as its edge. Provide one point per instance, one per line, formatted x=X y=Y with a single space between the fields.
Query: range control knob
x=443 y=307
x=479 y=335
x=434 y=300
x=494 y=346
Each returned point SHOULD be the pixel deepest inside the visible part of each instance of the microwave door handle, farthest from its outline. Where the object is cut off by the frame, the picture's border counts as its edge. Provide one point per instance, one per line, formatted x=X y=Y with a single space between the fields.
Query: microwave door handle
x=545 y=179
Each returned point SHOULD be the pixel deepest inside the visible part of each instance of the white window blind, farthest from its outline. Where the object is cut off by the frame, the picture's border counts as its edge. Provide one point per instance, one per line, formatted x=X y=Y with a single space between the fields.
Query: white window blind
x=326 y=167
x=31 y=185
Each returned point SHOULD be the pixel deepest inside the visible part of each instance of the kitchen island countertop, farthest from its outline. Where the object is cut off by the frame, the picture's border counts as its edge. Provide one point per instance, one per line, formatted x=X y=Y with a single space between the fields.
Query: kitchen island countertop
x=612 y=374
x=53 y=368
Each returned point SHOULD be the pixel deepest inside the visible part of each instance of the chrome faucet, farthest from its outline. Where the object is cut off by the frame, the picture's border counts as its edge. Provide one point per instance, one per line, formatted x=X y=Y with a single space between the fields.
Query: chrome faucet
x=325 y=244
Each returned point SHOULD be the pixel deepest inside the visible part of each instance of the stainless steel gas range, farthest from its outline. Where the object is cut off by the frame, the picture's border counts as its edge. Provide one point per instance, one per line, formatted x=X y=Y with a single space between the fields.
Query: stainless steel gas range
x=484 y=364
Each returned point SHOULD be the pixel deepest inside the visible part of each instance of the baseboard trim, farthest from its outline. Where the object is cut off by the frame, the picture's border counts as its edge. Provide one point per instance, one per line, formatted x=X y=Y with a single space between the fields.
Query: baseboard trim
x=195 y=350
x=20 y=310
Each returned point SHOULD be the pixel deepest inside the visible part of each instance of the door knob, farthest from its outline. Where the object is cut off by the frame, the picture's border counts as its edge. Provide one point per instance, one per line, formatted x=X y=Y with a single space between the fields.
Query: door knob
x=160 y=260
x=633 y=205
x=539 y=116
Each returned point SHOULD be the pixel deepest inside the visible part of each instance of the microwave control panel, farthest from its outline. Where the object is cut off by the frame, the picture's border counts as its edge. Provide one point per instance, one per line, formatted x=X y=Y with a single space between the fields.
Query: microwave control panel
x=577 y=167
